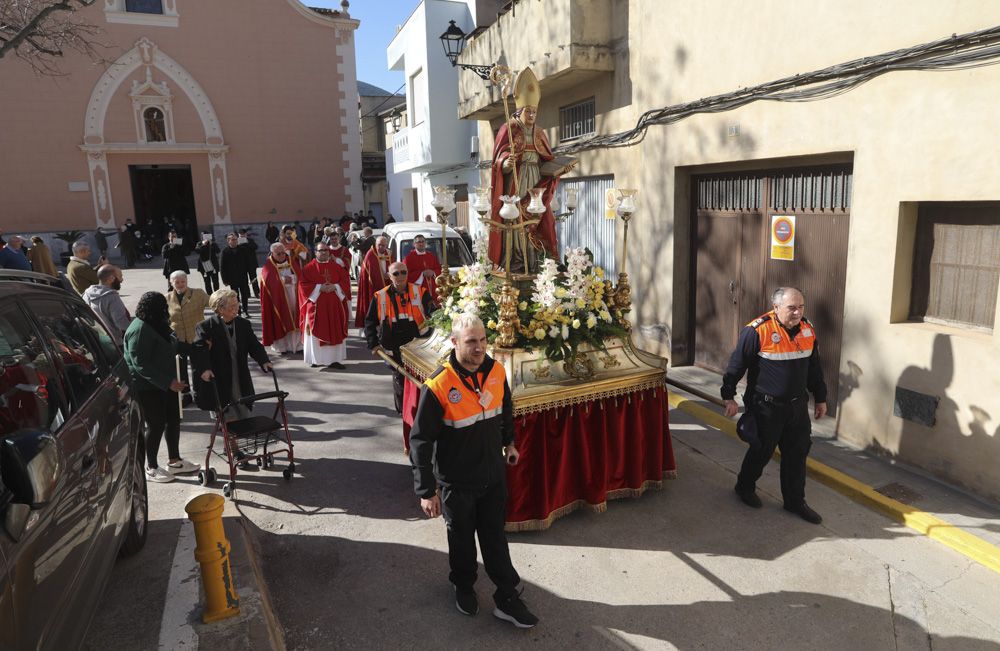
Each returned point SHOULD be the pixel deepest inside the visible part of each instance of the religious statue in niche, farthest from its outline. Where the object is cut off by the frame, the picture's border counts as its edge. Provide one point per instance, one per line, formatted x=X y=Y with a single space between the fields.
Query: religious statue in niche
x=522 y=161
x=156 y=130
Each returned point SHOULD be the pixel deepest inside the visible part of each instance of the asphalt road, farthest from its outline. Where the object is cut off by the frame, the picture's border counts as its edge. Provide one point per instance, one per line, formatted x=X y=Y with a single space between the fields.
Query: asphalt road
x=351 y=562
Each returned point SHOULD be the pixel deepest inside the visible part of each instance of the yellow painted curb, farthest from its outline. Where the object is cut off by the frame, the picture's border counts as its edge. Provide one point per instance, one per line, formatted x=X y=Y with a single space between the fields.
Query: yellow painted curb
x=935 y=528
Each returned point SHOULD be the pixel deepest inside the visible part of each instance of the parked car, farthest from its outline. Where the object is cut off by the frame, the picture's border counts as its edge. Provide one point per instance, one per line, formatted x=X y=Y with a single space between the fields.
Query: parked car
x=401 y=236
x=72 y=481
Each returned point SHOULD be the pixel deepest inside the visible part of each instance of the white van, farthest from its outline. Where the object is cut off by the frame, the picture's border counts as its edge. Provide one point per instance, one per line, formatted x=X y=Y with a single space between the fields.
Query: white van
x=401 y=236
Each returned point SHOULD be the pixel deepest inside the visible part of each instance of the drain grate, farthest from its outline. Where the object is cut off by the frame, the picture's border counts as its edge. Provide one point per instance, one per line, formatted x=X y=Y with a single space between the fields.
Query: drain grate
x=899 y=492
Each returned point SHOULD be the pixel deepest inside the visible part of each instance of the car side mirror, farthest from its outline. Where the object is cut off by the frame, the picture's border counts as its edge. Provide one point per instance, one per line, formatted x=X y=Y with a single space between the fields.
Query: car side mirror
x=31 y=464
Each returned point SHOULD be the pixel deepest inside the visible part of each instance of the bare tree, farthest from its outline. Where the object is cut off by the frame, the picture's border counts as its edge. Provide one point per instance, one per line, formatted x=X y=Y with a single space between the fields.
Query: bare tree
x=41 y=31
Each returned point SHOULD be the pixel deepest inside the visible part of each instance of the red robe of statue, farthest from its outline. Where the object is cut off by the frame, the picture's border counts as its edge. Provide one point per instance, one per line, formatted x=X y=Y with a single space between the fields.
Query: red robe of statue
x=374 y=275
x=544 y=231
x=342 y=256
x=326 y=318
x=277 y=317
x=416 y=264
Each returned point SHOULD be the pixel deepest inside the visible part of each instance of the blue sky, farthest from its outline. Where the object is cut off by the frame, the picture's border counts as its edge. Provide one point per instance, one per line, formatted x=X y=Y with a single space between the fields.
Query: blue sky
x=379 y=19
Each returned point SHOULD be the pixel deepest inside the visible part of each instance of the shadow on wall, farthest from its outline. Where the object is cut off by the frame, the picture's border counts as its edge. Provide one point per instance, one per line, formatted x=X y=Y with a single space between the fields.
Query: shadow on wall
x=938 y=443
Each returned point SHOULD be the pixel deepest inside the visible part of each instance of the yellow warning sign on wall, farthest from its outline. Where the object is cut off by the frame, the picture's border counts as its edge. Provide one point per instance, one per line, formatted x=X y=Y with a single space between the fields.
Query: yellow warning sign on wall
x=782 y=237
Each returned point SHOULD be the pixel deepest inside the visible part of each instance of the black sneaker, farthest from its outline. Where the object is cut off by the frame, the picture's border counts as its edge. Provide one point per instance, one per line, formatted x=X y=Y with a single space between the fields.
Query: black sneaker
x=514 y=611
x=466 y=602
x=749 y=498
x=804 y=512
x=338 y=366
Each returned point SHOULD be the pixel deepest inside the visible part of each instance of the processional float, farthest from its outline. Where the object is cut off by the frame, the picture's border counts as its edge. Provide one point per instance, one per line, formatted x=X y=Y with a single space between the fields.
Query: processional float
x=597 y=406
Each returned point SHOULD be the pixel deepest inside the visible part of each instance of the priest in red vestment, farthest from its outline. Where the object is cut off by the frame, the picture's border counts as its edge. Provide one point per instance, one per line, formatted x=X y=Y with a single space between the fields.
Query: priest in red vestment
x=279 y=304
x=323 y=296
x=422 y=266
x=523 y=147
x=374 y=275
x=343 y=256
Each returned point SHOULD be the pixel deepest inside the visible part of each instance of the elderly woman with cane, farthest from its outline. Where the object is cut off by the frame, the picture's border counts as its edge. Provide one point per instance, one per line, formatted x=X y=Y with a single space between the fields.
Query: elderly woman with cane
x=221 y=347
x=149 y=354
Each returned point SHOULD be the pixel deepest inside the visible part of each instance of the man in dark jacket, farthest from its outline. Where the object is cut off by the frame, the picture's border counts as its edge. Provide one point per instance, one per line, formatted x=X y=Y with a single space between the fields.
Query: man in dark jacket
x=780 y=354
x=400 y=322
x=463 y=431
x=233 y=269
x=173 y=257
x=249 y=247
x=208 y=261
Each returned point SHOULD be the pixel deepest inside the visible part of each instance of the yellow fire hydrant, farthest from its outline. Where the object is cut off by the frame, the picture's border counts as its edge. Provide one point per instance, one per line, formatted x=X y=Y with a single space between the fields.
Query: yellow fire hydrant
x=212 y=553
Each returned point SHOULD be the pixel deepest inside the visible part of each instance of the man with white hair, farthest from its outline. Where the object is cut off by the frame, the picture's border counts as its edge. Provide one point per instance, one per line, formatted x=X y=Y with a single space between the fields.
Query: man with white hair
x=186 y=307
x=396 y=315
x=104 y=299
x=279 y=301
x=462 y=434
x=325 y=297
x=780 y=354
x=12 y=254
x=79 y=272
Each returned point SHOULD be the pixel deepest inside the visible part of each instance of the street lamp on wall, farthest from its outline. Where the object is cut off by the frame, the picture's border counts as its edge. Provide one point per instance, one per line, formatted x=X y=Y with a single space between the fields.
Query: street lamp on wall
x=453 y=41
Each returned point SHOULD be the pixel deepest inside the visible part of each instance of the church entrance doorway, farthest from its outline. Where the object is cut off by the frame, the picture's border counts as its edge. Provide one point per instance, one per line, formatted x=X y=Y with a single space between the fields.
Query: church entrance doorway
x=163 y=197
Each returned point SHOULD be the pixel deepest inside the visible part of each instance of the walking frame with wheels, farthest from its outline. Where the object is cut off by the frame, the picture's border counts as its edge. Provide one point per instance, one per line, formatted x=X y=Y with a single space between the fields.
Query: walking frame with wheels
x=250 y=439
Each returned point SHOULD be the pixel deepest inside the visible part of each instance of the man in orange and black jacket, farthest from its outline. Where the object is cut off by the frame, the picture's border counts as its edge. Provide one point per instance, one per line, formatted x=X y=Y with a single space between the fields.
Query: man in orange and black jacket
x=463 y=432
x=780 y=355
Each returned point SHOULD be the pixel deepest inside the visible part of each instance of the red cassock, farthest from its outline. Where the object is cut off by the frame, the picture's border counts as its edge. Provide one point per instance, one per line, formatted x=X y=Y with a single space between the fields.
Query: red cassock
x=343 y=255
x=277 y=317
x=370 y=280
x=545 y=230
x=416 y=264
x=325 y=319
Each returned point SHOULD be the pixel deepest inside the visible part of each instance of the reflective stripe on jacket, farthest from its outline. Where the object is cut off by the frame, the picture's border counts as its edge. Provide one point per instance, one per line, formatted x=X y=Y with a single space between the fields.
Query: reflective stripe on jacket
x=411 y=310
x=462 y=407
x=775 y=342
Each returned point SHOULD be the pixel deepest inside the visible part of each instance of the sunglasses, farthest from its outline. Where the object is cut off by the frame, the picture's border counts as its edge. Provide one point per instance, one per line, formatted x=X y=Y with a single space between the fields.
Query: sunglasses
x=398 y=273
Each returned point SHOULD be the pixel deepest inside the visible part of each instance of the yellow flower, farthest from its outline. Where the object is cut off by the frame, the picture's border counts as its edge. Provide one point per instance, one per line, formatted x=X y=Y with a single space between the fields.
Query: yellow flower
x=491 y=324
x=591 y=321
x=523 y=306
x=576 y=323
x=580 y=303
x=539 y=334
x=599 y=272
x=560 y=292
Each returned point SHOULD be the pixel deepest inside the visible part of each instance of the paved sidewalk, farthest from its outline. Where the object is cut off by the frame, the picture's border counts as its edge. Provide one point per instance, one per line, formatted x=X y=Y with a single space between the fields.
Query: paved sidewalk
x=894 y=479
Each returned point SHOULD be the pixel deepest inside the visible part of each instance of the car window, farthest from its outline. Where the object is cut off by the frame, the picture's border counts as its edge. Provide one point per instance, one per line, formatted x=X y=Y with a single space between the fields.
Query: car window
x=31 y=391
x=66 y=337
x=101 y=335
x=458 y=254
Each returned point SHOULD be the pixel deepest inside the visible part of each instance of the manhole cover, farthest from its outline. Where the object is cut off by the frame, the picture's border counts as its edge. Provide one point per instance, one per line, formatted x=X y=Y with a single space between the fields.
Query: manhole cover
x=899 y=492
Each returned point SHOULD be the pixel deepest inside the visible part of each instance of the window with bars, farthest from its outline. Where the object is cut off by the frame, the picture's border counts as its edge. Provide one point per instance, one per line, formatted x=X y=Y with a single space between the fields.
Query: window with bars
x=576 y=120
x=730 y=193
x=956 y=264
x=824 y=190
x=144 y=6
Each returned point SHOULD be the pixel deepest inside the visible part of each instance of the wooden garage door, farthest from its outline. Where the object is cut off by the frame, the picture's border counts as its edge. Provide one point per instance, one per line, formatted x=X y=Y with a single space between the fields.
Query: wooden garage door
x=734 y=274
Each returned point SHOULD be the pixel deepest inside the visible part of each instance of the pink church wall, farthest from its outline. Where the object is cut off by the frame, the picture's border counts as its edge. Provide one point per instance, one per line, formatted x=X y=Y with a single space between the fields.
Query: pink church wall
x=273 y=76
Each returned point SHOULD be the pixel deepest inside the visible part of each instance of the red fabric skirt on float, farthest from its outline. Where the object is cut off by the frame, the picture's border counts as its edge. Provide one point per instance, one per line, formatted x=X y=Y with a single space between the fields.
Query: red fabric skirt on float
x=581 y=456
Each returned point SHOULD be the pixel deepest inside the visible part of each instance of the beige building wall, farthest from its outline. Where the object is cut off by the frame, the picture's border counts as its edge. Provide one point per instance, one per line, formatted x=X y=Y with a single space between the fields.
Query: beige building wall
x=265 y=126
x=912 y=137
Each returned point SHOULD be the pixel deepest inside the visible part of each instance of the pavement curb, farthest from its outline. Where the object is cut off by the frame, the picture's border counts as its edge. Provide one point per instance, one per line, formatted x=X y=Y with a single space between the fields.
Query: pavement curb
x=933 y=527
x=275 y=632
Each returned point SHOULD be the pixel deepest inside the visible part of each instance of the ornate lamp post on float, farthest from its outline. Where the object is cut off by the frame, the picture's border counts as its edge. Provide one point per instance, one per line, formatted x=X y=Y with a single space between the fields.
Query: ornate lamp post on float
x=443 y=203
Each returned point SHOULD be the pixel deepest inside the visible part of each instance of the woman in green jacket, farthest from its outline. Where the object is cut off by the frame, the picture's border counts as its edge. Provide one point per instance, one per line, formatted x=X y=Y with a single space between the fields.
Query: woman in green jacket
x=149 y=353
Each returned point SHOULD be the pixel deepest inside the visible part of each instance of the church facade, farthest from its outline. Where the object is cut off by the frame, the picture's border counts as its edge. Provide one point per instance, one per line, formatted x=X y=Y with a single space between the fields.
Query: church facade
x=203 y=114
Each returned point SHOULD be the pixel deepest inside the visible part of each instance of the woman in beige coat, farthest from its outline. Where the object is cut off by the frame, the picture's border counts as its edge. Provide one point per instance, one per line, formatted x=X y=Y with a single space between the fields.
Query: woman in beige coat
x=41 y=258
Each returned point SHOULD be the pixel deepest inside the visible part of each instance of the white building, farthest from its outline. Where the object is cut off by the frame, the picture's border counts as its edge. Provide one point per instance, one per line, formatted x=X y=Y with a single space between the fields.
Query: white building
x=435 y=147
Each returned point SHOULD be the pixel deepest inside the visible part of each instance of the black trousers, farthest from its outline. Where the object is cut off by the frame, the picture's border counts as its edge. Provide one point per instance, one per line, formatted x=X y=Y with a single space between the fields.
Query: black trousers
x=242 y=289
x=211 y=281
x=481 y=512
x=787 y=427
x=159 y=409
